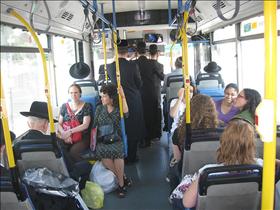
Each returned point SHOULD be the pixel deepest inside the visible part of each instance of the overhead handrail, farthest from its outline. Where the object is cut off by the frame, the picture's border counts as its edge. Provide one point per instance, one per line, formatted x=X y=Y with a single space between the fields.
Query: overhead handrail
x=124 y=137
x=93 y=10
x=220 y=14
x=8 y=143
x=270 y=37
x=42 y=53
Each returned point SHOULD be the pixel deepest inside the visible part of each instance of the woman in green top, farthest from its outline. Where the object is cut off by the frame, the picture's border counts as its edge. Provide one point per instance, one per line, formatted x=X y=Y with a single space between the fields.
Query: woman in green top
x=247 y=101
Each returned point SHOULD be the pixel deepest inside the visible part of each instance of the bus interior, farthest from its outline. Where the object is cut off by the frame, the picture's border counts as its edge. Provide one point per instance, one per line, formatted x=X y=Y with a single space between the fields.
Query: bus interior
x=231 y=33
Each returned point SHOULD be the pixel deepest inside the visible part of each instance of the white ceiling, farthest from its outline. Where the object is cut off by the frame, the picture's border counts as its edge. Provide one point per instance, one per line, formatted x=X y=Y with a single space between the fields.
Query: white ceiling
x=74 y=27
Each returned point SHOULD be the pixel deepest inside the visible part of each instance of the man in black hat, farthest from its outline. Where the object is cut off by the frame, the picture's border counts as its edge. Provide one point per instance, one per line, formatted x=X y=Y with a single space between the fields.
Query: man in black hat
x=158 y=77
x=38 y=122
x=148 y=93
x=131 y=83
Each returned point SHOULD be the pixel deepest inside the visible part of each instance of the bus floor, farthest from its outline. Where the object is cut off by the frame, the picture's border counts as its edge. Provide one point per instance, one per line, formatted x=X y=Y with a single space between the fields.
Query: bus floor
x=149 y=190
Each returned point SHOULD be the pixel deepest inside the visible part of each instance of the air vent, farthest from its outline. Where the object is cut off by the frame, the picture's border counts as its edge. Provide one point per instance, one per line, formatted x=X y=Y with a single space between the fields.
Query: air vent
x=198 y=18
x=222 y=5
x=67 y=16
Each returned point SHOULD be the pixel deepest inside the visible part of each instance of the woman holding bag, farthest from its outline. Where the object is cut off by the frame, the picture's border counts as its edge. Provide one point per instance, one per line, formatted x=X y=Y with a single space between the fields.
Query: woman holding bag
x=111 y=153
x=74 y=121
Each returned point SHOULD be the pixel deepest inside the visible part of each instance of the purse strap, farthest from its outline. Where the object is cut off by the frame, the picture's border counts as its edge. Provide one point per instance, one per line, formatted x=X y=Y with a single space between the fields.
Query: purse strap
x=70 y=112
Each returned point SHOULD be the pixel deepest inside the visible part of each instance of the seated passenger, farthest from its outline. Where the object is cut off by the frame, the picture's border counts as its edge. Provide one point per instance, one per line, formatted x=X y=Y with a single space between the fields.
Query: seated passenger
x=178 y=106
x=38 y=122
x=81 y=111
x=237 y=146
x=203 y=114
x=112 y=155
x=176 y=71
x=225 y=107
x=3 y=158
x=247 y=102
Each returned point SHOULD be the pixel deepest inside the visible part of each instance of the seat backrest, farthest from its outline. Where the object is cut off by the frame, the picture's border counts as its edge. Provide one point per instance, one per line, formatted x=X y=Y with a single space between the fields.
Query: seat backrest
x=89 y=93
x=260 y=147
x=200 y=150
x=215 y=93
x=230 y=187
x=174 y=83
x=33 y=153
x=206 y=80
x=9 y=198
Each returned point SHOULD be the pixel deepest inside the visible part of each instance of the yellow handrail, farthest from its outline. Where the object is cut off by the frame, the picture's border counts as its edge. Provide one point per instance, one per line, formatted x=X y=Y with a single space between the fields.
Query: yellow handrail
x=185 y=65
x=270 y=36
x=5 y=123
x=105 y=56
x=117 y=70
x=41 y=50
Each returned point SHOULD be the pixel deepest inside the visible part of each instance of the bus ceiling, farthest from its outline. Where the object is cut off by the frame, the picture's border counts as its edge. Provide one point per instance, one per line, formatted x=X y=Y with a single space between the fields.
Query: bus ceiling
x=67 y=18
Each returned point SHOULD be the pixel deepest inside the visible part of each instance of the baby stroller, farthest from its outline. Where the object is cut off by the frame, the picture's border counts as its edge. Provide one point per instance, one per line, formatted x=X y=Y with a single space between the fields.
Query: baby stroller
x=51 y=190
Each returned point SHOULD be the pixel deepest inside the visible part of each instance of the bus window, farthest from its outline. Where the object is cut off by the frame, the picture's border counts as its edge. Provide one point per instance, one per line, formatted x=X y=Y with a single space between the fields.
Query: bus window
x=64 y=58
x=23 y=82
x=225 y=56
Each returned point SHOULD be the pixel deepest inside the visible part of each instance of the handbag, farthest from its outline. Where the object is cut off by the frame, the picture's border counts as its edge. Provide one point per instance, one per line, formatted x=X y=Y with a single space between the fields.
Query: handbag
x=72 y=123
x=107 y=134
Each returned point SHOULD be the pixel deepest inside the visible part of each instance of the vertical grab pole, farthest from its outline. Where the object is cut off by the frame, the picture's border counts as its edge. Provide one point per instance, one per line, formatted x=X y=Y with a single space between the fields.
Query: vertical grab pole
x=186 y=73
x=104 y=47
x=119 y=78
x=270 y=36
x=41 y=50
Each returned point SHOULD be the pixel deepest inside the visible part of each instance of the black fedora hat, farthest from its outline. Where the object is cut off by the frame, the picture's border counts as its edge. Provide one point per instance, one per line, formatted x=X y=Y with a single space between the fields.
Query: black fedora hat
x=38 y=109
x=212 y=67
x=79 y=70
x=153 y=49
x=141 y=47
x=123 y=43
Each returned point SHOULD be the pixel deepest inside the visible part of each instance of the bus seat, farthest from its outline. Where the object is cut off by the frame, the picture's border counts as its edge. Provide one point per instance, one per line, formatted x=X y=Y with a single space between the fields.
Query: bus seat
x=215 y=93
x=89 y=93
x=33 y=153
x=260 y=147
x=174 y=83
x=239 y=189
x=209 y=80
x=9 y=199
x=201 y=150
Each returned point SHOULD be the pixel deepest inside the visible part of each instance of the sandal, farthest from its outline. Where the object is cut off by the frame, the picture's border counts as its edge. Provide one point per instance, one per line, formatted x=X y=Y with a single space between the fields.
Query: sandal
x=127 y=181
x=121 y=191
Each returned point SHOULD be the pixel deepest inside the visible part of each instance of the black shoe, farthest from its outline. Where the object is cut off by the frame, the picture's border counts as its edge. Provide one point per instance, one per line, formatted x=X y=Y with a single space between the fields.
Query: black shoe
x=121 y=191
x=127 y=181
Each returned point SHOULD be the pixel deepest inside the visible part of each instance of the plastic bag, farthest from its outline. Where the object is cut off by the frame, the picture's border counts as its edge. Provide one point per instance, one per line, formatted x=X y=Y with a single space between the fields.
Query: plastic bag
x=104 y=177
x=93 y=195
x=49 y=182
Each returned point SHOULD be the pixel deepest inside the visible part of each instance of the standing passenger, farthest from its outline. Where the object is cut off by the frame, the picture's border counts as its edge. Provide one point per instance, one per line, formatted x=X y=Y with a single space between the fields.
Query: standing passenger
x=131 y=83
x=158 y=77
x=225 y=107
x=148 y=93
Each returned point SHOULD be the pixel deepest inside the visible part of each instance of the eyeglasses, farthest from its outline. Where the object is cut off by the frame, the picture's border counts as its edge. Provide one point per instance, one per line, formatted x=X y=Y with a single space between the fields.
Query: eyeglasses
x=241 y=96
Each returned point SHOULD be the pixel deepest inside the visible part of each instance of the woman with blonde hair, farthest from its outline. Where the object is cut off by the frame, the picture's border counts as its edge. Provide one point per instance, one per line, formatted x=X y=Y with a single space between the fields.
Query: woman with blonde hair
x=237 y=146
x=203 y=116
